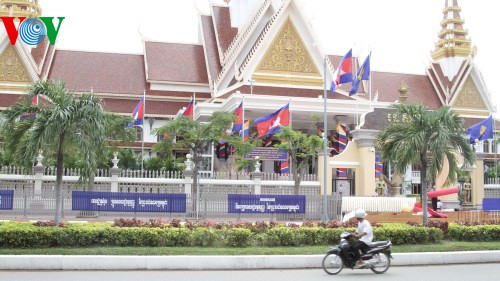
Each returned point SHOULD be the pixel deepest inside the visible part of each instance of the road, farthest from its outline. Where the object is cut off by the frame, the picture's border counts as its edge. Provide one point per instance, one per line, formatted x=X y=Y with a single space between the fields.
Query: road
x=407 y=273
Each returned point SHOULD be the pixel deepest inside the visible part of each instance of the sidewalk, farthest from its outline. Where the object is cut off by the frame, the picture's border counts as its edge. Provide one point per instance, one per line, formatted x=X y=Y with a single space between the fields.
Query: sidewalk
x=60 y=262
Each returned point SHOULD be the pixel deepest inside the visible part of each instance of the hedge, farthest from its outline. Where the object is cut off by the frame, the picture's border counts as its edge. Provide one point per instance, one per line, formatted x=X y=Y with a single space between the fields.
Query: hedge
x=26 y=235
x=483 y=233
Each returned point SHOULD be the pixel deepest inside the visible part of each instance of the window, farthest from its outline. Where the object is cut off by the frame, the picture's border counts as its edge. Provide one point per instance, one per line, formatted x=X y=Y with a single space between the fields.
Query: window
x=138 y=133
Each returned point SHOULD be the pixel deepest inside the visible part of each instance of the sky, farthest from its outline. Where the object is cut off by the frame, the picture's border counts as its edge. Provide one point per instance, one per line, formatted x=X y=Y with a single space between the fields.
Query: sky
x=399 y=33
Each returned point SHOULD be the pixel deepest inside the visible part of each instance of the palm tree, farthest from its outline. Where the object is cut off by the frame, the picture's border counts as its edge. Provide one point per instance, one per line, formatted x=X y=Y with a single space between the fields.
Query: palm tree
x=66 y=118
x=428 y=138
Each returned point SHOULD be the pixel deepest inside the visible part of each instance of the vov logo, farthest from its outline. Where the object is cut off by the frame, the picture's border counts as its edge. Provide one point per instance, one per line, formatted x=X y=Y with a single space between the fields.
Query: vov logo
x=32 y=30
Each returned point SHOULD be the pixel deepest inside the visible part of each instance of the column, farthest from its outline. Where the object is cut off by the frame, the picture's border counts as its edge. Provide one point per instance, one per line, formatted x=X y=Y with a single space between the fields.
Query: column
x=365 y=174
x=115 y=172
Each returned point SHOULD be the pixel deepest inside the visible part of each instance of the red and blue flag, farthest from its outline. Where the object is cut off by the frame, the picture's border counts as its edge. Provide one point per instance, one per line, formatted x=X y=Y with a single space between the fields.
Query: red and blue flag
x=272 y=123
x=189 y=111
x=138 y=114
x=238 y=124
x=343 y=73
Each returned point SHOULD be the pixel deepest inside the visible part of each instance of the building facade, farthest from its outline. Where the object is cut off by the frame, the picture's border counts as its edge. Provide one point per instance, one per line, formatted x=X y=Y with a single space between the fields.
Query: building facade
x=261 y=52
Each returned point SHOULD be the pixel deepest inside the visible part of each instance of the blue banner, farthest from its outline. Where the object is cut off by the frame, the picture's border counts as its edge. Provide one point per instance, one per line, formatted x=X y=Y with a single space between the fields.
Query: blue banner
x=243 y=203
x=6 y=199
x=129 y=202
x=491 y=204
x=267 y=153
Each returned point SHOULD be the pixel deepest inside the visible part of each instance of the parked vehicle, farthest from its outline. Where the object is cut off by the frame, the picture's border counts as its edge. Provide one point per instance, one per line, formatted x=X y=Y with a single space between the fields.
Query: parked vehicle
x=377 y=257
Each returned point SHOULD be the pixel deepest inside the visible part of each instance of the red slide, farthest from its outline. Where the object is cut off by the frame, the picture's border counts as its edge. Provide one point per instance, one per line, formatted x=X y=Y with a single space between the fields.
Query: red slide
x=436 y=214
x=442 y=192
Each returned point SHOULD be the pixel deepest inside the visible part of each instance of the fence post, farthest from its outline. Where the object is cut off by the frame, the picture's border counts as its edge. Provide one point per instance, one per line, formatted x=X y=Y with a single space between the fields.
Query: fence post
x=37 y=190
x=188 y=174
x=257 y=177
x=115 y=172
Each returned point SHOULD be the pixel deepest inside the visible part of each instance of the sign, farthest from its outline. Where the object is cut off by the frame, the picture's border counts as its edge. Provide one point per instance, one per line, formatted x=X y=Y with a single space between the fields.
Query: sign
x=244 y=203
x=6 y=199
x=128 y=202
x=32 y=31
x=268 y=153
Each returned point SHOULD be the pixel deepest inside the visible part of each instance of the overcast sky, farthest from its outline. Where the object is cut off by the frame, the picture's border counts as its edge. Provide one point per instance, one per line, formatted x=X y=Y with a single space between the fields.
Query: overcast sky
x=400 y=33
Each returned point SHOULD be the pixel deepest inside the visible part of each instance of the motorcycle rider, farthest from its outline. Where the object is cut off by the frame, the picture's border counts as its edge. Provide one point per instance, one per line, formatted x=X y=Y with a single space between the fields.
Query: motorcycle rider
x=364 y=233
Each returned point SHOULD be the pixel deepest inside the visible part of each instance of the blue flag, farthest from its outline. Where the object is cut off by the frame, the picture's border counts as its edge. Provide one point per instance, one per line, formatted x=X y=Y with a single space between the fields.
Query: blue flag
x=363 y=74
x=481 y=131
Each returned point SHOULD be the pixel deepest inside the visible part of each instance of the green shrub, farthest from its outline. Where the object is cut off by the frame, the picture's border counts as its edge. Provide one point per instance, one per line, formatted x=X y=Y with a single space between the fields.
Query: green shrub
x=203 y=237
x=238 y=237
x=486 y=233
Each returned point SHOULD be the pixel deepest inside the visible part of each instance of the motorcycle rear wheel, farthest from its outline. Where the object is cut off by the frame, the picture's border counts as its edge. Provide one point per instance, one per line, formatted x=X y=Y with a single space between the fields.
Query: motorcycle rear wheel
x=332 y=264
x=383 y=263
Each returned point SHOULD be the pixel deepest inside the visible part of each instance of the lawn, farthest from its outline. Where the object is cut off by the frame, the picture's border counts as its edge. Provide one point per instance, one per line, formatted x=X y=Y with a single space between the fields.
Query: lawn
x=446 y=246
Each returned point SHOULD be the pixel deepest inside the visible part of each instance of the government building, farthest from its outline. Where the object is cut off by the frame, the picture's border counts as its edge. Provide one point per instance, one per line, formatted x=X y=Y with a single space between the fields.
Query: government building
x=262 y=53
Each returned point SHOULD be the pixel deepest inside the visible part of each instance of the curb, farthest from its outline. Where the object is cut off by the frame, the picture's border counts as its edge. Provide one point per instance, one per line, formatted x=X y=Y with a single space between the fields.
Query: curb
x=63 y=262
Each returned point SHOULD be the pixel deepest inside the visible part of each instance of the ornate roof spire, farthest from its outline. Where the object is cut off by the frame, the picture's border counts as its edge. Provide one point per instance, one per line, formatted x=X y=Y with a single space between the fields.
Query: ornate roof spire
x=453 y=41
x=20 y=8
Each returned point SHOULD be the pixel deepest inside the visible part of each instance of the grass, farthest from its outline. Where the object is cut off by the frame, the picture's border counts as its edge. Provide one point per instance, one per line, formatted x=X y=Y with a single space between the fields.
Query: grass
x=447 y=246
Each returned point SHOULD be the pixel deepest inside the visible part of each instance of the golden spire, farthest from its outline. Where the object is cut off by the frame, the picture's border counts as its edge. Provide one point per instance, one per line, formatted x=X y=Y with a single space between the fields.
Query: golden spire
x=453 y=41
x=20 y=8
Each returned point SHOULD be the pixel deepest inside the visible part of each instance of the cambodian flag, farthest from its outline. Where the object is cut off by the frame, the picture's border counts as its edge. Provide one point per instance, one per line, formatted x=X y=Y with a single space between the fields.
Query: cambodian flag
x=342 y=172
x=379 y=167
x=189 y=111
x=284 y=170
x=272 y=123
x=343 y=73
x=138 y=114
x=341 y=137
x=237 y=125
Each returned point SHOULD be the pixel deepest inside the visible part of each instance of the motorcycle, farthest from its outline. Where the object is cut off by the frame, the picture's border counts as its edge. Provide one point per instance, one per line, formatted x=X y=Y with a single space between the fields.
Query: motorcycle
x=377 y=257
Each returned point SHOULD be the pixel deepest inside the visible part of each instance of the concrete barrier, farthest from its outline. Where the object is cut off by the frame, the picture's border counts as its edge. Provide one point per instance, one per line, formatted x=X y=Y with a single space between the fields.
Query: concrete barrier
x=63 y=262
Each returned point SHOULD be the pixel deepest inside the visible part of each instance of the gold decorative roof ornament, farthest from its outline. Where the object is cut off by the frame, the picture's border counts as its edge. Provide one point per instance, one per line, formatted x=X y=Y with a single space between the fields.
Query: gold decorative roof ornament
x=20 y=8
x=453 y=41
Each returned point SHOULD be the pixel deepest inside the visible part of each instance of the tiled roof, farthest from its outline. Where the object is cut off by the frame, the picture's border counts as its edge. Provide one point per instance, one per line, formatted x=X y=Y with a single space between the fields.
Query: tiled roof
x=210 y=46
x=420 y=88
x=173 y=62
x=222 y=21
x=104 y=72
x=153 y=107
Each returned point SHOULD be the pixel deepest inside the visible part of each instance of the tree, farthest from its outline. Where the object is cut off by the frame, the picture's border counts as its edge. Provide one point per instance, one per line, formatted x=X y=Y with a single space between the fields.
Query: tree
x=65 y=119
x=301 y=148
x=198 y=136
x=427 y=138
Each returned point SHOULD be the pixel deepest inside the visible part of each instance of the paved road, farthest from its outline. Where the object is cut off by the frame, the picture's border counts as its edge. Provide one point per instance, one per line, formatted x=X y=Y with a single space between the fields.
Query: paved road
x=407 y=273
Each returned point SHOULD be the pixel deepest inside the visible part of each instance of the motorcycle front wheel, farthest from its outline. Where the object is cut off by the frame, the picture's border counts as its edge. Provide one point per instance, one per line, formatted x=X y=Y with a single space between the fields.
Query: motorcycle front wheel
x=382 y=263
x=332 y=264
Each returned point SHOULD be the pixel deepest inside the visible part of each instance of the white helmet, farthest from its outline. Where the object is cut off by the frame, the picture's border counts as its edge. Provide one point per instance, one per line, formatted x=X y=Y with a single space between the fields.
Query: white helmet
x=360 y=214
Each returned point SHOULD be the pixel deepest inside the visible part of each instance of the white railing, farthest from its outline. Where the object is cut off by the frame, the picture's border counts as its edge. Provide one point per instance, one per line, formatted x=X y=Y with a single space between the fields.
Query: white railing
x=377 y=204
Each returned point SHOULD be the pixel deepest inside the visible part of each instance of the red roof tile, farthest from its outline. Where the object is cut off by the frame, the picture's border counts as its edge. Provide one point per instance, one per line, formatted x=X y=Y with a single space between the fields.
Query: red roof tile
x=174 y=62
x=420 y=88
x=210 y=46
x=153 y=107
x=104 y=72
x=222 y=21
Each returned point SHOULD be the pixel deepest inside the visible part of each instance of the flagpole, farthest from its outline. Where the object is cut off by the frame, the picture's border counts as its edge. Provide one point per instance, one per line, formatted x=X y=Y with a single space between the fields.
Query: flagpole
x=243 y=119
x=325 y=160
x=370 y=85
x=194 y=104
x=143 y=135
